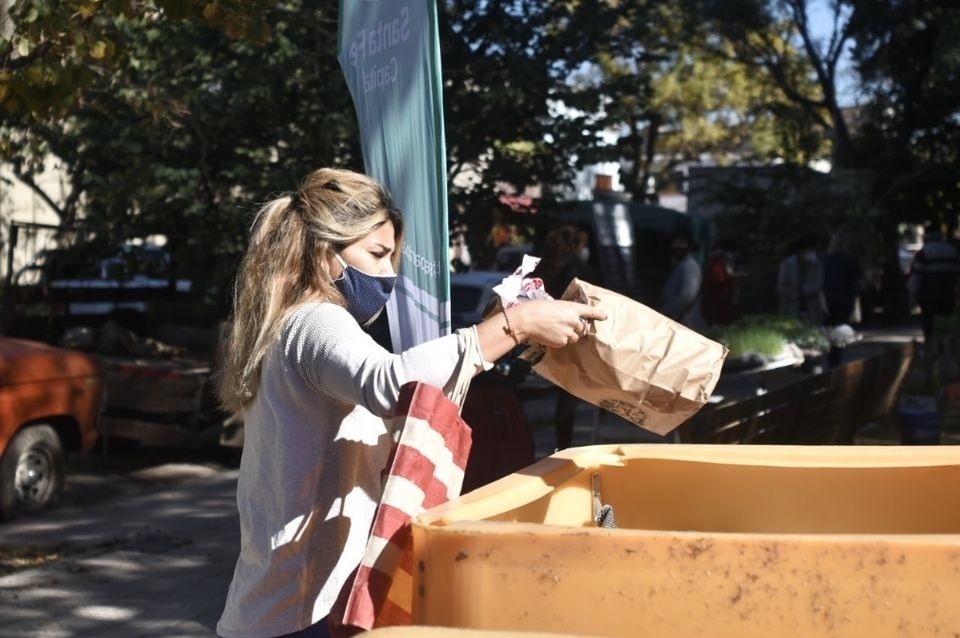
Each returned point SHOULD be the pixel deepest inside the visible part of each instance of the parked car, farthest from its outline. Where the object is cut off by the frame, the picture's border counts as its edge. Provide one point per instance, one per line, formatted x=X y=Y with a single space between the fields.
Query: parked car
x=61 y=288
x=154 y=336
x=50 y=400
x=509 y=258
x=470 y=295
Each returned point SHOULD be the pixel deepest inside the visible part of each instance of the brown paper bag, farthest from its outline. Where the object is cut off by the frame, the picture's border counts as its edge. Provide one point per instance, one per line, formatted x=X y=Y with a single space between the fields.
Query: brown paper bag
x=638 y=364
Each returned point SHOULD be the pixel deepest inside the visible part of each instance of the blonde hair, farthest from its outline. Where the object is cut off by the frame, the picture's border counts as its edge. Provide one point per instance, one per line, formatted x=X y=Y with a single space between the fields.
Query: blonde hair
x=286 y=264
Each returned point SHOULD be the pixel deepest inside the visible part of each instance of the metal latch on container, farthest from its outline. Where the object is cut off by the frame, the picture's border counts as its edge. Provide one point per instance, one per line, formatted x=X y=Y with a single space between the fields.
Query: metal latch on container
x=602 y=514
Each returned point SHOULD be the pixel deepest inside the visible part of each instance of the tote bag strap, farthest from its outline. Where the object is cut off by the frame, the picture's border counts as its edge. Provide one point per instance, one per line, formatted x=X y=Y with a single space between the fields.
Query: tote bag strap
x=470 y=364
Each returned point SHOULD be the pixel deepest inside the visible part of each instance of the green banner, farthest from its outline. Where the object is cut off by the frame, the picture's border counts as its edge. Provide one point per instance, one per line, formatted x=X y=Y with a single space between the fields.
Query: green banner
x=389 y=51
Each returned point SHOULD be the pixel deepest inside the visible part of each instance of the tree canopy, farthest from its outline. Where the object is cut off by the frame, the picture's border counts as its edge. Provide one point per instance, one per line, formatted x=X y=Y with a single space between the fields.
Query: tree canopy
x=908 y=55
x=197 y=124
x=178 y=116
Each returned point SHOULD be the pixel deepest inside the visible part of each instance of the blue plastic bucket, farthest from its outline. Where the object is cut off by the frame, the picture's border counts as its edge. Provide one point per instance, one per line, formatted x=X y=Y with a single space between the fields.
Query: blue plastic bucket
x=921 y=422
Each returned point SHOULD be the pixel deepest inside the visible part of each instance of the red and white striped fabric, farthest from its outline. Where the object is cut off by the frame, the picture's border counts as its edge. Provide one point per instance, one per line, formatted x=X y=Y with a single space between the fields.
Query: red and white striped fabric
x=426 y=469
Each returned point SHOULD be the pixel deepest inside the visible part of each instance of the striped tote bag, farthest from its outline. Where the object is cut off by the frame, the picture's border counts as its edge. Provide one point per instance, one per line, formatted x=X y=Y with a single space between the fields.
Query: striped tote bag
x=426 y=468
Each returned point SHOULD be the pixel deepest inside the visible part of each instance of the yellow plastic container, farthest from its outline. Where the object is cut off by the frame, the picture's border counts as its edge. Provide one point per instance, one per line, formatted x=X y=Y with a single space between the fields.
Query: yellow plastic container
x=446 y=632
x=734 y=541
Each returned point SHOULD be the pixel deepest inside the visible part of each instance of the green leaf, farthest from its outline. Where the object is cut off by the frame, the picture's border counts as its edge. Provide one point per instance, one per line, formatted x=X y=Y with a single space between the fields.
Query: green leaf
x=99 y=50
x=87 y=10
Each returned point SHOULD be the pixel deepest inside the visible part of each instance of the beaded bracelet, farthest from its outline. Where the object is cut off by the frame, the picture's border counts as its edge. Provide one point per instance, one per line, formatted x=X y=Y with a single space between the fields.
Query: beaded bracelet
x=508 y=329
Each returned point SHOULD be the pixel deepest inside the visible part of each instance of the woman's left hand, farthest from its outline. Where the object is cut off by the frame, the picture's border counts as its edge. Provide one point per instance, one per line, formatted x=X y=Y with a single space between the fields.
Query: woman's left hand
x=547 y=322
x=554 y=323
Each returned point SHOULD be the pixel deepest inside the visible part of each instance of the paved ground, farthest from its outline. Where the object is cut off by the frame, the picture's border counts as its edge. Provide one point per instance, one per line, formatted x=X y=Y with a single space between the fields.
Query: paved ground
x=155 y=562
x=140 y=552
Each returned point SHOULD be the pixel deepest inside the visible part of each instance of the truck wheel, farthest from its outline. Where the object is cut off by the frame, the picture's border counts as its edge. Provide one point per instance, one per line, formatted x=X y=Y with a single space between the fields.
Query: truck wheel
x=32 y=472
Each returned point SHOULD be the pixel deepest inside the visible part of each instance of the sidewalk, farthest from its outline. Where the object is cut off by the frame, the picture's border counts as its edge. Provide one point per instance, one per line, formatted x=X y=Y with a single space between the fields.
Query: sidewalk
x=154 y=564
x=157 y=563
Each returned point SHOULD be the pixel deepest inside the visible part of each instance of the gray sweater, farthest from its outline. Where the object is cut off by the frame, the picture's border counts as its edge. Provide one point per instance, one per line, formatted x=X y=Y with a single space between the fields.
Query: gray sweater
x=310 y=475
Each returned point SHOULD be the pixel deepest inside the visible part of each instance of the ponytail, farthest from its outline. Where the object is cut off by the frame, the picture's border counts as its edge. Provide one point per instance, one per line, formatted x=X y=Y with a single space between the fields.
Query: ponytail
x=275 y=275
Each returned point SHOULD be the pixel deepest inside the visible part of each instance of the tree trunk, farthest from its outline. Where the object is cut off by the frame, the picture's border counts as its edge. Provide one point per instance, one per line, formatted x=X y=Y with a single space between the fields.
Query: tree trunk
x=649 y=152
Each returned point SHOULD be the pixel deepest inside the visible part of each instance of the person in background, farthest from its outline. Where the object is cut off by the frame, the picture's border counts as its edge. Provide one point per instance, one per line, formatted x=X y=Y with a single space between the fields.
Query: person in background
x=565 y=257
x=720 y=291
x=800 y=282
x=843 y=281
x=460 y=260
x=313 y=387
x=680 y=297
x=933 y=278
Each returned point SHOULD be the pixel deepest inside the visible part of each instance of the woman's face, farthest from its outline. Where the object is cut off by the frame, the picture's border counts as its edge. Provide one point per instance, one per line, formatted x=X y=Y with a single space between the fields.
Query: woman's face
x=370 y=254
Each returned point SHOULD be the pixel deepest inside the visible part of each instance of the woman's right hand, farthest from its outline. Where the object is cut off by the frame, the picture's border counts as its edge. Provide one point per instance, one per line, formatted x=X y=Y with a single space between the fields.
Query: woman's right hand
x=553 y=323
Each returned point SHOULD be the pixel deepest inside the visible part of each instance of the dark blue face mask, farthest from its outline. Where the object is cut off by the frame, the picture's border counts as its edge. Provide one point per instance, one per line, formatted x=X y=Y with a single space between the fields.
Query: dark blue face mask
x=366 y=294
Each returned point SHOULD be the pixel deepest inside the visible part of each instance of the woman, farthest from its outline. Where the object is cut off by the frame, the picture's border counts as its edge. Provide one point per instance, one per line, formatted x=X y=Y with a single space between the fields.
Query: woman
x=313 y=387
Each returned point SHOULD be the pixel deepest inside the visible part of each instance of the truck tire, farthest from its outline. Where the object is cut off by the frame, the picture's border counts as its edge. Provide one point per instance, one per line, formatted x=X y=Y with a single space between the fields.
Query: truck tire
x=32 y=472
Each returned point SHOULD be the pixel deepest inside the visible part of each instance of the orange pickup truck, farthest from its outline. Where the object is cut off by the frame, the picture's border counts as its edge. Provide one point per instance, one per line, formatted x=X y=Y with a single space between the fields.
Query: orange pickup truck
x=50 y=399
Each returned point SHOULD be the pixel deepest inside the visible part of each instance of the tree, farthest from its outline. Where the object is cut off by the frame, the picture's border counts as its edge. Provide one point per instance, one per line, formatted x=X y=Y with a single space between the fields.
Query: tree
x=766 y=36
x=907 y=54
x=151 y=145
x=669 y=91
x=714 y=105
x=51 y=51
x=505 y=68
x=55 y=58
x=612 y=87
x=187 y=149
x=513 y=118
x=255 y=98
